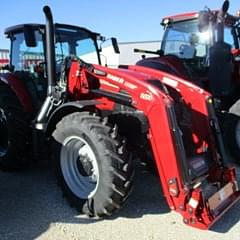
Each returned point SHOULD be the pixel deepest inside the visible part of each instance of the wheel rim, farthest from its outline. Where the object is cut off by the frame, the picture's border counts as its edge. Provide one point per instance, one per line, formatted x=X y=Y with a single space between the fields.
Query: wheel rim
x=238 y=134
x=79 y=167
x=3 y=134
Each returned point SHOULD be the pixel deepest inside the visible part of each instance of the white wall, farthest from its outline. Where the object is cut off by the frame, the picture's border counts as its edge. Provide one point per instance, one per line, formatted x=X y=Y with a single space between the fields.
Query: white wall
x=109 y=57
x=128 y=56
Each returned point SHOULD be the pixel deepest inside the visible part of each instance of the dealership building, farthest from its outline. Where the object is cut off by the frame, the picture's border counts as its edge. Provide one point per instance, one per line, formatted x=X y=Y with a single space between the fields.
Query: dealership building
x=4 y=57
x=127 y=55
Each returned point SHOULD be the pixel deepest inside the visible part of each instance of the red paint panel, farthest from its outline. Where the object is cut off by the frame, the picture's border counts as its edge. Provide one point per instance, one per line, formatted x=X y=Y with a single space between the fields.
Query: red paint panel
x=19 y=89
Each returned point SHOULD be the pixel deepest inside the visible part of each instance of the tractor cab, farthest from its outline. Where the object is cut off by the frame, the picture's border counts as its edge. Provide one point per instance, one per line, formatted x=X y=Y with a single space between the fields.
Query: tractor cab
x=203 y=48
x=28 y=45
x=28 y=55
x=187 y=31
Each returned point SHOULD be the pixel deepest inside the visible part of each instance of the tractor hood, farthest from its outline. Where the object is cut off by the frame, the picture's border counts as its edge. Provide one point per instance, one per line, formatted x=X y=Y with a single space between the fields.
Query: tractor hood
x=169 y=64
x=125 y=73
x=133 y=81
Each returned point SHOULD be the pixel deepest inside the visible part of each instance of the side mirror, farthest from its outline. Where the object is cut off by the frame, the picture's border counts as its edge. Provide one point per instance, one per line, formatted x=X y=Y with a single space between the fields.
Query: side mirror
x=115 y=45
x=29 y=36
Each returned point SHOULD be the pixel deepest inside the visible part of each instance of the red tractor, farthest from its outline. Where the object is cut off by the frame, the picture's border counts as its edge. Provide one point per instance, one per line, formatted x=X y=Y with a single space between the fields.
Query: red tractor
x=203 y=48
x=98 y=119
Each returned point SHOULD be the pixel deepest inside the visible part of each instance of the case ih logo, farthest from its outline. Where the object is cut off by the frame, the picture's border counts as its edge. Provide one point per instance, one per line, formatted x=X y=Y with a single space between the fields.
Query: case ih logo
x=115 y=78
x=146 y=96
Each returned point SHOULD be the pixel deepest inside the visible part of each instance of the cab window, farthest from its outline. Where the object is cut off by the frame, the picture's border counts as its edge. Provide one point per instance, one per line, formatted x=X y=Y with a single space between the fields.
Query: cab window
x=86 y=50
x=24 y=58
x=228 y=37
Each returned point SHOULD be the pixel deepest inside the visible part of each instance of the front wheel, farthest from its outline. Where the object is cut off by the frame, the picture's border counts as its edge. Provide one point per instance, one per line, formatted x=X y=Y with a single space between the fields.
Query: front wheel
x=93 y=167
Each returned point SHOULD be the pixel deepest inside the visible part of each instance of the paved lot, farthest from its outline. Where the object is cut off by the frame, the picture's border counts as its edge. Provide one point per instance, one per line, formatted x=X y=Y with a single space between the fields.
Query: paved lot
x=32 y=207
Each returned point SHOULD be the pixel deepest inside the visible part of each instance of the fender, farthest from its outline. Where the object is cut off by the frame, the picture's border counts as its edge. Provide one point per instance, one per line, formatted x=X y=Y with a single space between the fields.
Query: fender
x=168 y=63
x=65 y=109
x=19 y=89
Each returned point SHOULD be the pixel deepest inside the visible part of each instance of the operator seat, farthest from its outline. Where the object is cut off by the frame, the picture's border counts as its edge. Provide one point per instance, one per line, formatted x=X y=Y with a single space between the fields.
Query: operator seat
x=187 y=51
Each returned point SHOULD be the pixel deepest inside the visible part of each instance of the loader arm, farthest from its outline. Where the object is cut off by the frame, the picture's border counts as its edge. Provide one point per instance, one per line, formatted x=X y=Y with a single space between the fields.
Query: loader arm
x=185 y=192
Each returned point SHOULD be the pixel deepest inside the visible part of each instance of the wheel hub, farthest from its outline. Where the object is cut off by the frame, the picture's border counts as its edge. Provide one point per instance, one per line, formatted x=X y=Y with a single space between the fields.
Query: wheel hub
x=79 y=167
x=84 y=165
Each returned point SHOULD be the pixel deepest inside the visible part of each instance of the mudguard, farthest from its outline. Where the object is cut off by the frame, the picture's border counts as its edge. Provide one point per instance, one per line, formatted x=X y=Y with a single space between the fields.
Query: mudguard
x=65 y=109
x=19 y=89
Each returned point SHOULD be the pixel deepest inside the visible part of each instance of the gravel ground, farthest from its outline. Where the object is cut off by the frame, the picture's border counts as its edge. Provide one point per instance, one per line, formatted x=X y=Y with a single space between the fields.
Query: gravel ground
x=32 y=207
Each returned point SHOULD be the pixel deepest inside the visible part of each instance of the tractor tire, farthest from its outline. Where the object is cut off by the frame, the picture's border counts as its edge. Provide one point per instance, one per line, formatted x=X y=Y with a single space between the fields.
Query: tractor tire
x=231 y=133
x=92 y=165
x=14 y=131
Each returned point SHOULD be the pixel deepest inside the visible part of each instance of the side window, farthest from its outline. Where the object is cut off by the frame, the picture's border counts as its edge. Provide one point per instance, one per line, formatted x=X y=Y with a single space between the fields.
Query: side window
x=86 y=50
x=62 y=50
x=174 y=40
x=228 y=37
x=184 y=40
x=24 y=58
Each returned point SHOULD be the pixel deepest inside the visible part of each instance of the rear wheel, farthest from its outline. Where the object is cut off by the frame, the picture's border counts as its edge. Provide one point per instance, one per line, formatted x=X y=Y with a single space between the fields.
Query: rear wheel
x=14 y=131
x=231 y=133
x=93 y=167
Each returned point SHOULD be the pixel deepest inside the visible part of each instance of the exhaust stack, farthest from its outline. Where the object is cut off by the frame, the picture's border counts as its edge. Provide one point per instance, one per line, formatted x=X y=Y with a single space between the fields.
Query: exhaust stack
x=51 y=71
x=50 y=49
x=221 y=19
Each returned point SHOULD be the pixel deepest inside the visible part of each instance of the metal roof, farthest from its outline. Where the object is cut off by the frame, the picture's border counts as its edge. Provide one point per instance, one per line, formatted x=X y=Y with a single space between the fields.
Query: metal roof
x=230 y=19
x=181 y=17
x=20 y=27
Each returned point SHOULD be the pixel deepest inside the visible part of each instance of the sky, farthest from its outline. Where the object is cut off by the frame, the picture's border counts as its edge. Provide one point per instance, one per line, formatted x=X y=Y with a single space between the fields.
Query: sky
x=128 y=20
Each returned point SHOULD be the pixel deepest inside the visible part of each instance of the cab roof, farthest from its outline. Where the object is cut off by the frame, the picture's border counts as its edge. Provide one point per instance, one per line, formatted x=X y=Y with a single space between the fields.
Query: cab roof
x=20 y=28
x=230 y=20
x=181 y=17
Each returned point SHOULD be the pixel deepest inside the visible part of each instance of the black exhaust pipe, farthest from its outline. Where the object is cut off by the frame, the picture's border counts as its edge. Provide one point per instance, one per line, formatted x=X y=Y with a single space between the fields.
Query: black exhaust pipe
x=51 y=71
x=221 y=15
x=50 y=50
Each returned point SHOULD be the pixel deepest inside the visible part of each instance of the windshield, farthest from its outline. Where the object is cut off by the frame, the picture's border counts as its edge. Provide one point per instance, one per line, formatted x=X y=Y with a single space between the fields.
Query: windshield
x=72 y=41
x=184 y=40
x=183 y=37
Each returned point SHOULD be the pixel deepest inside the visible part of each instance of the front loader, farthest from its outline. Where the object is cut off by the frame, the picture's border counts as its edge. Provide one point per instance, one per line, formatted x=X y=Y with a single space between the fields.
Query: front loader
x=96 y=119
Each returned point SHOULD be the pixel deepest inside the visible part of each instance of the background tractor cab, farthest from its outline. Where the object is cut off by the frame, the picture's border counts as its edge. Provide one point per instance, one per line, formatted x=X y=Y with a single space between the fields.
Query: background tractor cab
x=28 y=55
x=196 y=46
x=214 y=38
